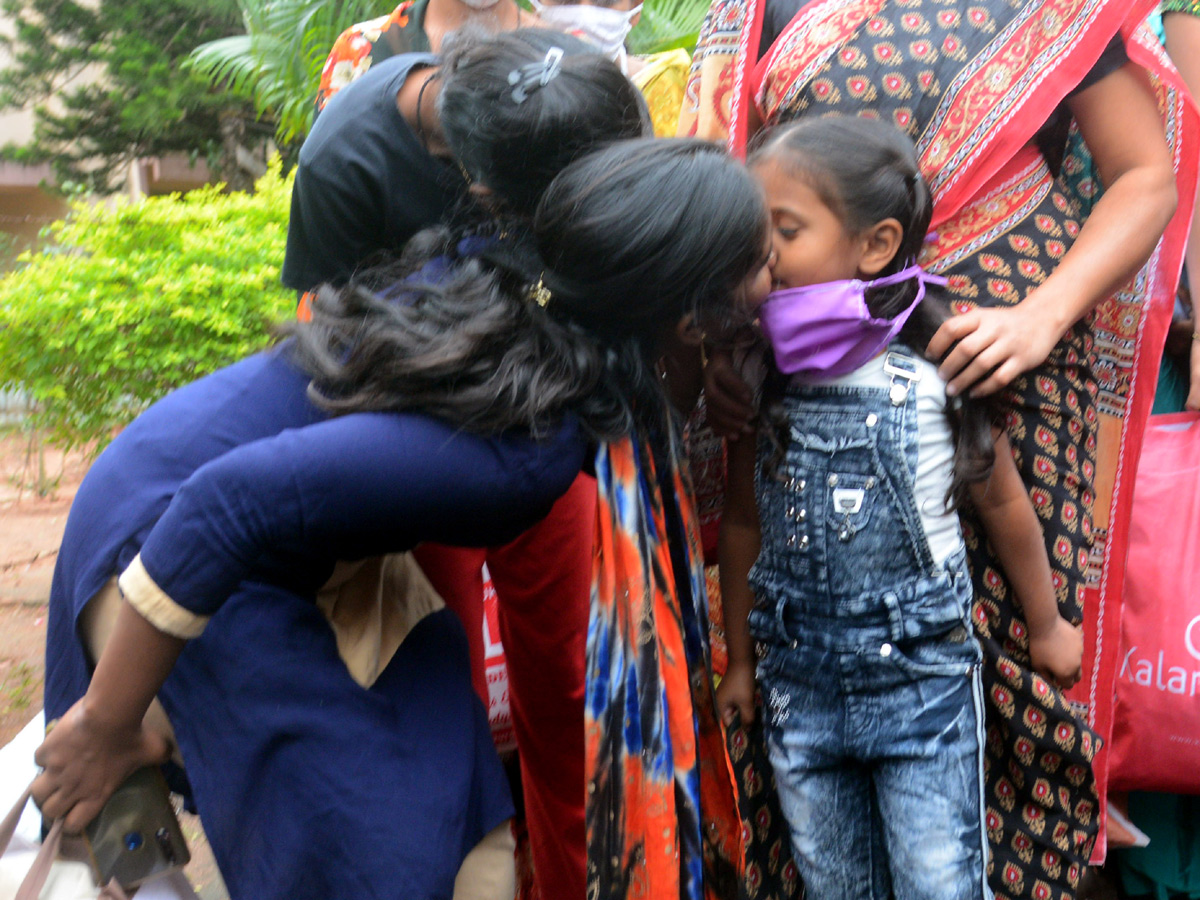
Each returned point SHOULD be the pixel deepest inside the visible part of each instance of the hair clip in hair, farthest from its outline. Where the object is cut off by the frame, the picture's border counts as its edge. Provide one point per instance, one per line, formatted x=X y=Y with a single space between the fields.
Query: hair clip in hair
x=539 y=293
x=551 y=65
x=528 y=78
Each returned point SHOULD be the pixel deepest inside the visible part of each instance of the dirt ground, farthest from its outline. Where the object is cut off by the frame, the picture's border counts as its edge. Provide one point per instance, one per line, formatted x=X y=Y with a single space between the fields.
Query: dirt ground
x=36 y=489
x=31 y=526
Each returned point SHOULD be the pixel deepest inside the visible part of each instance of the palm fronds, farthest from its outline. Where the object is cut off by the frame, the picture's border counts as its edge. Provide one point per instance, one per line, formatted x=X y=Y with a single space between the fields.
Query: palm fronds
x=667 y=25
x=277 y=62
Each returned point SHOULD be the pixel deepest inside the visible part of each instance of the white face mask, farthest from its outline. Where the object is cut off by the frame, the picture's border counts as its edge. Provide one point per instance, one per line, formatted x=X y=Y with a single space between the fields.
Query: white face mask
x=598 y=25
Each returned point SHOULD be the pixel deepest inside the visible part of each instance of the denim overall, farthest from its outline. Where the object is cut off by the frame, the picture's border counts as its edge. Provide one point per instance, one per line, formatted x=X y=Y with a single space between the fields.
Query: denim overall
x=869 y=671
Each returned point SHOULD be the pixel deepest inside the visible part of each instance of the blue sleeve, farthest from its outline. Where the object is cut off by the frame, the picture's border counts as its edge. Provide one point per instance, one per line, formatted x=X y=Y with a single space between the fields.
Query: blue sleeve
x=356 y=486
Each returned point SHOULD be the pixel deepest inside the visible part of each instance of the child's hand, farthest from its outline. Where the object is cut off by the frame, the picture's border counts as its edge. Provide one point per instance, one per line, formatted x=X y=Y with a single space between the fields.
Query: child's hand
x=1057 y=653
x=736 y=693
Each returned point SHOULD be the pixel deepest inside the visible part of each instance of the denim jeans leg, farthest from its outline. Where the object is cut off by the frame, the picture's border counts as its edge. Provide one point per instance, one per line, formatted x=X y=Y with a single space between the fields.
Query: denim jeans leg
x=930 y=798
x=827 y=800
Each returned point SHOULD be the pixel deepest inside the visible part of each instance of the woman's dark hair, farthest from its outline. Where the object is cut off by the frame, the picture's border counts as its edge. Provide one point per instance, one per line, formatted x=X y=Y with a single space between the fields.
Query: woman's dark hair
x=627 y=241
x=865 y=171
x=516 y=148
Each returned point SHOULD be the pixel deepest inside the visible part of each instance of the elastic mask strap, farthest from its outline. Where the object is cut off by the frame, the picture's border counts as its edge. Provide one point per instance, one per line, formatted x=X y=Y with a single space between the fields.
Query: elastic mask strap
x=906 y=274
x=913 y=271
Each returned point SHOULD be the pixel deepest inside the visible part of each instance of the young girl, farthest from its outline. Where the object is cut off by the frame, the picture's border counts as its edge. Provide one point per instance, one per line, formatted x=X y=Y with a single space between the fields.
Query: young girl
x=843 y=538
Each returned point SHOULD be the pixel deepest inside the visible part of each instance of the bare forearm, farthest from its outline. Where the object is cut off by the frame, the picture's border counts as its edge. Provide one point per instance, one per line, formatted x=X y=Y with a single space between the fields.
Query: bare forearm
x=101 y=739
x=1193 y=397
x=1016 y=536
x=1117 y=239
x=1183 y=45
x=1015 y=533
x=1118 y=118
x=740 y=542
x=1055 y=646
x=133 y=666
x=983 y=350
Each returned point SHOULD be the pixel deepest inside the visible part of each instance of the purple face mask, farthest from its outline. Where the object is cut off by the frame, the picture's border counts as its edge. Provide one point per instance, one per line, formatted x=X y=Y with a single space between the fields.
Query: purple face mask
x=823 y=331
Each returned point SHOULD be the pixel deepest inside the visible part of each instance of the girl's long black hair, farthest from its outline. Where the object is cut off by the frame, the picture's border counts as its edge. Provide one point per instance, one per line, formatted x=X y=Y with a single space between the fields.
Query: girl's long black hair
x=866 y=170
x=626 y=241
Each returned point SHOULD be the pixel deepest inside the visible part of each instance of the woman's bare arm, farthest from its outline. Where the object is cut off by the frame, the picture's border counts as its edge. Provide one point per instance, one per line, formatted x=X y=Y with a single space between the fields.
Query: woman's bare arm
x=985 y=349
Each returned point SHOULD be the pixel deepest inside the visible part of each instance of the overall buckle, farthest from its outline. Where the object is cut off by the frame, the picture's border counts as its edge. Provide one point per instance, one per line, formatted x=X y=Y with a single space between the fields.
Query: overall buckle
x=897 y=365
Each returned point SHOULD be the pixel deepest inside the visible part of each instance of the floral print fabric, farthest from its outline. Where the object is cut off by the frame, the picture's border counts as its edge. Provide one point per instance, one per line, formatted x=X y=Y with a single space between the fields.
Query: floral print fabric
x=361 y=46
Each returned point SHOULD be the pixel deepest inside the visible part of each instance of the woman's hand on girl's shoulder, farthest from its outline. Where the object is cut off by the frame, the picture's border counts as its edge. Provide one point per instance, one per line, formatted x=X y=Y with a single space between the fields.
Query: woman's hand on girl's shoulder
x=1057 y=653
x=735 y=693
x=985 y=349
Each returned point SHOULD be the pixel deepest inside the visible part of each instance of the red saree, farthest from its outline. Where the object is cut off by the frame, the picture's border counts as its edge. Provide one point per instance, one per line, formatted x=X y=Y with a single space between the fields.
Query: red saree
x=973 y=85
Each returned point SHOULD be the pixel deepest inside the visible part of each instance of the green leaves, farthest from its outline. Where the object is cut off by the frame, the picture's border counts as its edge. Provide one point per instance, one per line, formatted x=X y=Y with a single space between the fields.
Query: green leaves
x=668 y=25
x=277 y=62
x=131 y=301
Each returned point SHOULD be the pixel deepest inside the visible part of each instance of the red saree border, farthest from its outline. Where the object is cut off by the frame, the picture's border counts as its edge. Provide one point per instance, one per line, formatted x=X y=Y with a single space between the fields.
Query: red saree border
x=1159 y=279
x=729 y=34
x=1007 y=200
x=820 y=28
x=748 y=41
x=1066 y=37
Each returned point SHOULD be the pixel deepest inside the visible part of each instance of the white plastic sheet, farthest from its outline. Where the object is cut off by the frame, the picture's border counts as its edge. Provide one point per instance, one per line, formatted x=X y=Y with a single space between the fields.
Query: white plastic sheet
x=17 y=769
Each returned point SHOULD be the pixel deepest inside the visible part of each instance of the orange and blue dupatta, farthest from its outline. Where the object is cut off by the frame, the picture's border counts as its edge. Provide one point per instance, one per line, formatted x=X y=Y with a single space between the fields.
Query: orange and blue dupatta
x=662 y=818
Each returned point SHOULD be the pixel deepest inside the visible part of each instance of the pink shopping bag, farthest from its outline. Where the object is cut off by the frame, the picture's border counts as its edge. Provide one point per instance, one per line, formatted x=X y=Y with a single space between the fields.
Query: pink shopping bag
x=1156 y=728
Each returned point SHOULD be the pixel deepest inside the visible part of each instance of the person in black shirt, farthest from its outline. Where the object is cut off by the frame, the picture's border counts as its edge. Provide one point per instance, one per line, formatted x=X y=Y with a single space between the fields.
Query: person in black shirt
x=375 y=169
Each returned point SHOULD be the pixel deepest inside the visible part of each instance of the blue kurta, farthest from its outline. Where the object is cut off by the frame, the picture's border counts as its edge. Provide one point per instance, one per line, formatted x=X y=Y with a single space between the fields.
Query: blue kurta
x=241 y=495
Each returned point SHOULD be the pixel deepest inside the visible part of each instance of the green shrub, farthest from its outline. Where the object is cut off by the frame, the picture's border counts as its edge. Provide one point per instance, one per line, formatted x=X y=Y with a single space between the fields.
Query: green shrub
x=131 y=300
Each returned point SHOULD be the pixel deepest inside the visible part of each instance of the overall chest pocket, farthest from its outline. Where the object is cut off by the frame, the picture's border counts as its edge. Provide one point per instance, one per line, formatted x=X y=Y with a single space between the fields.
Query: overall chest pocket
x=852 y=502
x=844 y=470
